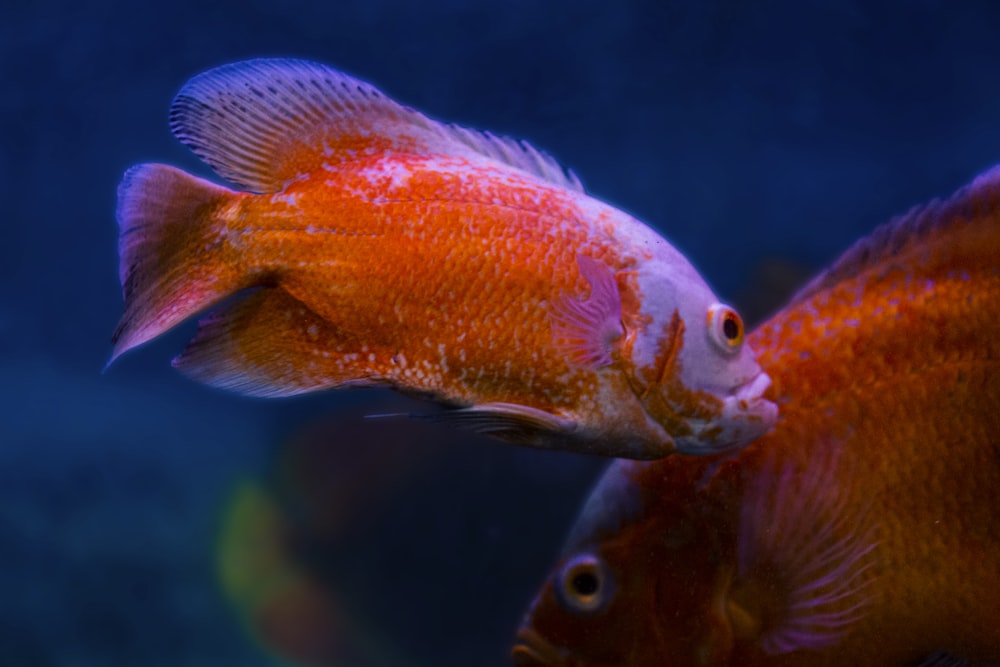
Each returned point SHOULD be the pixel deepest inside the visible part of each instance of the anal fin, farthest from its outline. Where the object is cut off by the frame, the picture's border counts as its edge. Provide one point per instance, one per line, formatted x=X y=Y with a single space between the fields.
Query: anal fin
x=271 y=345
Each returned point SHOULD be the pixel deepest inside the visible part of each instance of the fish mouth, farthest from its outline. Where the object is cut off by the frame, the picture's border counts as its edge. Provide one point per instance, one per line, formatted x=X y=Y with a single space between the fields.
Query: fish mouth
x=532 y=650
x=752 y=391
x=745 y=415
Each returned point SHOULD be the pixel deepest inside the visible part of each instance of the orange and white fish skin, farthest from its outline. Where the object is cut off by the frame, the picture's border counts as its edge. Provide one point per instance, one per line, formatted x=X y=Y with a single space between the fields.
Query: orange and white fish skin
x=864 y=529
x=387 y=249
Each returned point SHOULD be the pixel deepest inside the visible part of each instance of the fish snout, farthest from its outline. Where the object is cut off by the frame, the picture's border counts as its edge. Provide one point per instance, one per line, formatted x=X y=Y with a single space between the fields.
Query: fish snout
x=749 y=396
x=746 y=414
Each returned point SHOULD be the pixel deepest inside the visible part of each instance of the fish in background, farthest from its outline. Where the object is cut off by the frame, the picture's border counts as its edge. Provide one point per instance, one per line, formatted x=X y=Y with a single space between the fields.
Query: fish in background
x=284 y=609
x=369 y=246
x=400 y=548
x=772 y=282
x=293 y=615
x=864 y=529
x=278 y=528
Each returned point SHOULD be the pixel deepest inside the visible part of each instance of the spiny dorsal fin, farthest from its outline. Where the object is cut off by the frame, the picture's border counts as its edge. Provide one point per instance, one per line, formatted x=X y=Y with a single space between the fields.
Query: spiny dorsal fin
x=967 y=221
x=264 y=123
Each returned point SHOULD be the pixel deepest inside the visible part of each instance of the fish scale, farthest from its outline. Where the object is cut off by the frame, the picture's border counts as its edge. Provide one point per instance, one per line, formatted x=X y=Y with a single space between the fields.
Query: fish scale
x=864 y=529
x=364 y=234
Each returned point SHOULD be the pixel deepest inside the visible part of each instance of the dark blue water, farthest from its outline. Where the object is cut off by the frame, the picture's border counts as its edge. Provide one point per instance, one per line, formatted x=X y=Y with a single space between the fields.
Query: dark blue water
x=761 y=137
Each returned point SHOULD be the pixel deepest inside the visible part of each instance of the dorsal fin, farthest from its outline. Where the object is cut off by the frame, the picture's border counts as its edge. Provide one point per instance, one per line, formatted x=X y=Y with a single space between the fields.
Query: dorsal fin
x=265 y=123
x=967 y=221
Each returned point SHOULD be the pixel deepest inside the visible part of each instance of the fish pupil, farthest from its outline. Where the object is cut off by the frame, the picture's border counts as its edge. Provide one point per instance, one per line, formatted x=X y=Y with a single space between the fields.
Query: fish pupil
x=585 y=583
x=730 y=328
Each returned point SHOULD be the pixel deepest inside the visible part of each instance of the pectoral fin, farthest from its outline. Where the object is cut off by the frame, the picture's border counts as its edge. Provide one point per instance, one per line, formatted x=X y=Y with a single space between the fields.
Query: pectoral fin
x=514 y=423
x=942 y=659
x=588 y=330
x=806 y=556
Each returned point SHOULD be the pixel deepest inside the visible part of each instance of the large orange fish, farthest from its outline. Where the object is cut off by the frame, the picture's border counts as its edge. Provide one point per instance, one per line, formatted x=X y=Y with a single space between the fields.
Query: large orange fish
x=387 y=249
x=864 y=529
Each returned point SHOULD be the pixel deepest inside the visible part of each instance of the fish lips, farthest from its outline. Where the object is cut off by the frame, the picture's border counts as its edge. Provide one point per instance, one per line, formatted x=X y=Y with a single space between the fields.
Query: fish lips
x=532 y=650
x=746 y=415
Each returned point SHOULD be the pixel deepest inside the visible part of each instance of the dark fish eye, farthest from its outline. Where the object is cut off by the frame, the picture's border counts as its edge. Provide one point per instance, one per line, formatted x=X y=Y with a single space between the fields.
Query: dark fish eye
x=725 y=328
x=583 y=584
x=731 y=328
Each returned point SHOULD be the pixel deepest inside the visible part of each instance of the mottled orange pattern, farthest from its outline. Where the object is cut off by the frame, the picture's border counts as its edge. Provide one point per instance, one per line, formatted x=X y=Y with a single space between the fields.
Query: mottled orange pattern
x=385 y=249
x=908 y=378
x=504 y=242
x=887 y=373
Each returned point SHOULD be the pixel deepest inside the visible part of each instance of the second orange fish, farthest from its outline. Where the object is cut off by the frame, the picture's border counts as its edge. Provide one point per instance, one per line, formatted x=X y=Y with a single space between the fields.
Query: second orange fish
x=387 y=249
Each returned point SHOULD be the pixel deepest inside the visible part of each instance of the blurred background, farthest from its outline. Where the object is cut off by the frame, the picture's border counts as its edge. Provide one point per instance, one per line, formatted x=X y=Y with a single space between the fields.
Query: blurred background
x=146 y=520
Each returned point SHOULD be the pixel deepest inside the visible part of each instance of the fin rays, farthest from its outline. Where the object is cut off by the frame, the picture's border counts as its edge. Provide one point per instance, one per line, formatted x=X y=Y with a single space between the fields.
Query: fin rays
x=167 y=237
x=587 y=330
x=264 y=123
x=518 y=424
x=968 y=214
x=269 y=345
x=796 y=523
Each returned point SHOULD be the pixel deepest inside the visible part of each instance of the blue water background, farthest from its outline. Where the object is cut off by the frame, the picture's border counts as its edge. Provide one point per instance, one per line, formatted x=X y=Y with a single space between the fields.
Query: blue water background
x=753 y=135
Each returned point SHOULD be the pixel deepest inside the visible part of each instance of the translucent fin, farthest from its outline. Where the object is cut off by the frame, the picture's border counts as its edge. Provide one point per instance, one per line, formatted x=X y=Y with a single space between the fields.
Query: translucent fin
x=264 y=123
x=270 y=345
x=805 y=556
x=586 y=330
x=943 y=659
x=170 y=265
x=968 y=221
x=507 y=421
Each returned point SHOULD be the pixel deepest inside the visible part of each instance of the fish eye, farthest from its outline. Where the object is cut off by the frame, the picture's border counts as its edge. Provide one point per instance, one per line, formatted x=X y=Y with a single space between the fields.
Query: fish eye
x=725 y=328
x=583 y=584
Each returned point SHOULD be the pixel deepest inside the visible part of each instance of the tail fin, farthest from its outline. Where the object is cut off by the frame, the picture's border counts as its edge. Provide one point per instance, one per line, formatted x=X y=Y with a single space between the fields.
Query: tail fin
x=170 y=248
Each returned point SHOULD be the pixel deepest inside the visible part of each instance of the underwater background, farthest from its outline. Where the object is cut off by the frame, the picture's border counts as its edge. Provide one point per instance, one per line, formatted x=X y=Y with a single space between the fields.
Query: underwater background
x=146 y=520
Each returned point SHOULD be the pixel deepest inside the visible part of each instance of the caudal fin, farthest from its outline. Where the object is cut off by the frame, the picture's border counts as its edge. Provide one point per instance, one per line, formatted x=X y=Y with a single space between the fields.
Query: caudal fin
x=170 y=245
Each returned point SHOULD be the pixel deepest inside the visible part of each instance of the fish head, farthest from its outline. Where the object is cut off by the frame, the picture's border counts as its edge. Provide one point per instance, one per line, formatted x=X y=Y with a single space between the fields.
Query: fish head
x=636 y=585
x=691 y=367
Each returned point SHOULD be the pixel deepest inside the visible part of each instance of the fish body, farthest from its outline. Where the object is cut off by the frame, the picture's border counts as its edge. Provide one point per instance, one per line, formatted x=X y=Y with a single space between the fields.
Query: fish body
x=864 y=529
x=384 y=249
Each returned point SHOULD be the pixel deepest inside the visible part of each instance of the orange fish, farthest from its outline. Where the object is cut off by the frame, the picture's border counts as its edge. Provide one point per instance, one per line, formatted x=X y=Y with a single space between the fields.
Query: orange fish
x=386 y=249
x=864 y=529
